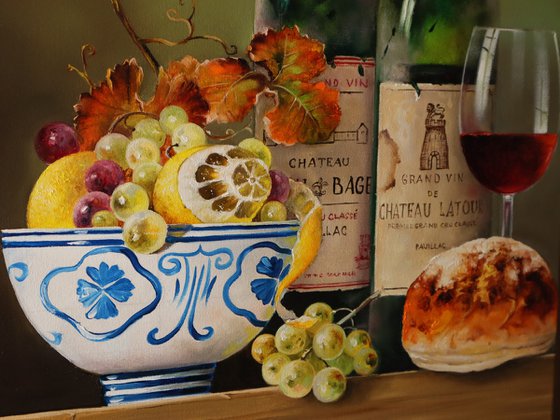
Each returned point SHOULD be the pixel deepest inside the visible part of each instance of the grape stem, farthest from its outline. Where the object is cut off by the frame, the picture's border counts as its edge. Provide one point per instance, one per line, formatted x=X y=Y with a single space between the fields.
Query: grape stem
x=375 y=295
x=124 y=117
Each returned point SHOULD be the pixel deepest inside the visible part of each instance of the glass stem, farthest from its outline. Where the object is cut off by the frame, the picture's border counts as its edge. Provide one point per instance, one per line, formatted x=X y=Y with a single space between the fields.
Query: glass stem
x=507 y=215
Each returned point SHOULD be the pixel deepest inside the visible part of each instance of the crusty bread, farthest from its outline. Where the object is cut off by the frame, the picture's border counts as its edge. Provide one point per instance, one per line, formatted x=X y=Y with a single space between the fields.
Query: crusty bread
x=479 y=305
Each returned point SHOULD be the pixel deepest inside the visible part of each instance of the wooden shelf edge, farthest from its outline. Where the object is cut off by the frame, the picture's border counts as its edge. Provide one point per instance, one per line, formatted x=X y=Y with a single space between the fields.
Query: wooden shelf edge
x=519 y=389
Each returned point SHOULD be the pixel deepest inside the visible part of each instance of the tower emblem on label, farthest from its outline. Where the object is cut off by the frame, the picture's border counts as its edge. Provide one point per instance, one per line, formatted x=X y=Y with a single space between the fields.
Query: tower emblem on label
x=435 y=151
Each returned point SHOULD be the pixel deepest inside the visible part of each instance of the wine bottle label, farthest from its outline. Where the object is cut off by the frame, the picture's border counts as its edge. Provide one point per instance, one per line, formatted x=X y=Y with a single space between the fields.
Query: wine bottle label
x=427 y=199
x=339 y=172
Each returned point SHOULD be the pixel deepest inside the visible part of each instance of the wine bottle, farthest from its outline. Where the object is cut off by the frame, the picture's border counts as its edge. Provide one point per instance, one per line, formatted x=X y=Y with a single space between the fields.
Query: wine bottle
x=426 y=199
x=338 y=170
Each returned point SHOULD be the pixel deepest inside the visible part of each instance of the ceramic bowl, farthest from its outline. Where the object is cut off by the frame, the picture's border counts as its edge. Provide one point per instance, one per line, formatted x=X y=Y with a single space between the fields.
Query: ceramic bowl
x=151 y=326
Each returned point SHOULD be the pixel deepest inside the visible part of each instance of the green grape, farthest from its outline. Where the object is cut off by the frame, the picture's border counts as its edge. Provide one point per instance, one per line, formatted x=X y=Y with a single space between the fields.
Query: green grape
x=366 y=361
x=104 y=218
x=321 y=311
x=145 y=232
x=343 y=362
x=188 y=135
x=317 y=363
x=273 y=211
x=129 y=198
x=271 y=367
x=113 y=147
x=290 y=340
x=142 y=150
x=355 y=341
x=262 y=347
x=256 y=146
x=145 y=174
x=328 y=341
x=149 y=128
x=329 y=385
x=171 y=117
x=296 y=379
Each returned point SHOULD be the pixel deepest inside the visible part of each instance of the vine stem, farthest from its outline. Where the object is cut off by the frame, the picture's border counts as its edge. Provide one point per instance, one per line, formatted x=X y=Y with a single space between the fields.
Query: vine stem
x=150 y=58
x=375 y=295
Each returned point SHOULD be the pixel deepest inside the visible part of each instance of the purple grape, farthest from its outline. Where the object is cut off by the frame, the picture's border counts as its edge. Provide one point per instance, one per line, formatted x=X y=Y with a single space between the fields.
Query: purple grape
x=280 y=186
x=56 y=140
x=104 y=176
x=88 y=205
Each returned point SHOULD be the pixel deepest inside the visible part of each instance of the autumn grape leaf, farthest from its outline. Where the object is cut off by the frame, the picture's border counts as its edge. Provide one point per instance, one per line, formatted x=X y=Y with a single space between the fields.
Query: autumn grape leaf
x=176 y=86
x=115 y=96
x=288 y=55
x=305 y=113
x=230 y=87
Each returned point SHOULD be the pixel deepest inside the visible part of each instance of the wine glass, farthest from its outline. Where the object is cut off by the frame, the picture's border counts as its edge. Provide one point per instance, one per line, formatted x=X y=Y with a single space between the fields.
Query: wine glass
x=510 y=109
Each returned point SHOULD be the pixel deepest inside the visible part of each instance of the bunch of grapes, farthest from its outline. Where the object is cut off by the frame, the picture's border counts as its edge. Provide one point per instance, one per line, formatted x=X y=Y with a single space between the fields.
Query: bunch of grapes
x=314 y=353
x=120 y=183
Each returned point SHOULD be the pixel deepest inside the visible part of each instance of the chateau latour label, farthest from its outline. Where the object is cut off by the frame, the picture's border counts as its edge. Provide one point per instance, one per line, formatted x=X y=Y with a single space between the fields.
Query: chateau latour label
x=339 y=171
x=427 y=199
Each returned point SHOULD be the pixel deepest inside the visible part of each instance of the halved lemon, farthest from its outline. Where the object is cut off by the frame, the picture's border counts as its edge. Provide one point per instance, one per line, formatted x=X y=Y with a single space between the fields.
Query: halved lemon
x=212 y=184
x=166 y=199
x=306 y=207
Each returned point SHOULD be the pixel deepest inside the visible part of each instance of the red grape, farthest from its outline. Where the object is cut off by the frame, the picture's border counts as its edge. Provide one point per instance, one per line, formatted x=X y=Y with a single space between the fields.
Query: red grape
x=88 y=205
x=56 y=140
x=104 y=176
x=280 y=186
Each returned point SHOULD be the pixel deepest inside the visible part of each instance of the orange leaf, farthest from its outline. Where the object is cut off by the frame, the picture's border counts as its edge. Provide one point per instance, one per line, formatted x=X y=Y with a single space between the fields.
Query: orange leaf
x=117 y=95
x=230 y=87
x=288 y=55
x=305 y=113
x=176 y=87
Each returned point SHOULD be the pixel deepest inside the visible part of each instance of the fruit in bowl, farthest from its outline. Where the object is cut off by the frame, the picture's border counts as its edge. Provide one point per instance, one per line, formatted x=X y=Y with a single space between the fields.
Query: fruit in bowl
x=147 y=268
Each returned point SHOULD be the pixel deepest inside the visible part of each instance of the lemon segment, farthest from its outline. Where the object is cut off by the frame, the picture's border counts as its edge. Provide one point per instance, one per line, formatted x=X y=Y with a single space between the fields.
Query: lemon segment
x=58 y=188
x=307 y=209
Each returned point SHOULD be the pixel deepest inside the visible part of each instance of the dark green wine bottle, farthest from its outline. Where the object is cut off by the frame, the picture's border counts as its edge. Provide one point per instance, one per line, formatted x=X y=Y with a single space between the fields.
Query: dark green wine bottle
x=426 y=199
x=338 y=170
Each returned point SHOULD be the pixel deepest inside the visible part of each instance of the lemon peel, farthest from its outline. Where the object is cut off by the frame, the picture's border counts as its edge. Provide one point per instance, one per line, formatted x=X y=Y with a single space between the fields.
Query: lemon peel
x=307 y=209
x=166 y=199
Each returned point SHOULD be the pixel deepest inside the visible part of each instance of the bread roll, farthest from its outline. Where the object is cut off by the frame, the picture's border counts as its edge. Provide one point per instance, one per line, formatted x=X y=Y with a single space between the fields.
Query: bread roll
x=479 y=305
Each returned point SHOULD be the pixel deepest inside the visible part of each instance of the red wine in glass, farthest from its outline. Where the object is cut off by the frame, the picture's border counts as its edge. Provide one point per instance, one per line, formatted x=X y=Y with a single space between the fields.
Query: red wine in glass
x=508 y=163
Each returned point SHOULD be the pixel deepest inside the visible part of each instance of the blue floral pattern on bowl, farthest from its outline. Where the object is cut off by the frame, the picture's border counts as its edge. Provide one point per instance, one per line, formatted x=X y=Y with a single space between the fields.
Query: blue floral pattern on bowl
x=107 y=286
x=265 y=288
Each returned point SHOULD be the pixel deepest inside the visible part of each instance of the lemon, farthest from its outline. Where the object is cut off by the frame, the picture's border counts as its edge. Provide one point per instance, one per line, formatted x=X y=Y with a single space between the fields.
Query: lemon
x=59 y=187
x=212 y=184
x=166 y=199
x=307 y=209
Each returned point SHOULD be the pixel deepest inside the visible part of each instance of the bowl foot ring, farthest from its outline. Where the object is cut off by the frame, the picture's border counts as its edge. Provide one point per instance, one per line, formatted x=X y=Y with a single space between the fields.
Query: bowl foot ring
x=128 y=387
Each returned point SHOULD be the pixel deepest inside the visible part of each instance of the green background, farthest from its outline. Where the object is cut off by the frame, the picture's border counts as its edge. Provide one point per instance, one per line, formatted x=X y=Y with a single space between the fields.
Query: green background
x=38 y=39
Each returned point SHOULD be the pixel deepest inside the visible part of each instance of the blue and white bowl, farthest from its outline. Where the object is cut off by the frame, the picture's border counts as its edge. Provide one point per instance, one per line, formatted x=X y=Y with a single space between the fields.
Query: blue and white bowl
x=152 y=326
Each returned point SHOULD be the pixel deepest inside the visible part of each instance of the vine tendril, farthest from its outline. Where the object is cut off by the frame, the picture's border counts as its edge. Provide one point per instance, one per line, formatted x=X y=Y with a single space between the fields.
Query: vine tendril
x=87 y=50
x=173 y=16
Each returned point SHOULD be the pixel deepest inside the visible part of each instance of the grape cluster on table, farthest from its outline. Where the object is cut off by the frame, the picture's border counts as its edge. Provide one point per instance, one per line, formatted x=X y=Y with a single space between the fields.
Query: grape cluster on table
x=312 y=353
x=121 y=182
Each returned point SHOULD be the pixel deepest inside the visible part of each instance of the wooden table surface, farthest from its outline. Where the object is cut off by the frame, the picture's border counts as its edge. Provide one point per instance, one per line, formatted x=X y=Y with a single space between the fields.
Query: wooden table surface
x=521 y=389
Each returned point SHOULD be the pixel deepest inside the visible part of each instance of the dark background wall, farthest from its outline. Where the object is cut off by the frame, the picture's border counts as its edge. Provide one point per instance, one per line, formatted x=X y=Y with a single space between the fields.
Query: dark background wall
x=38 y=39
